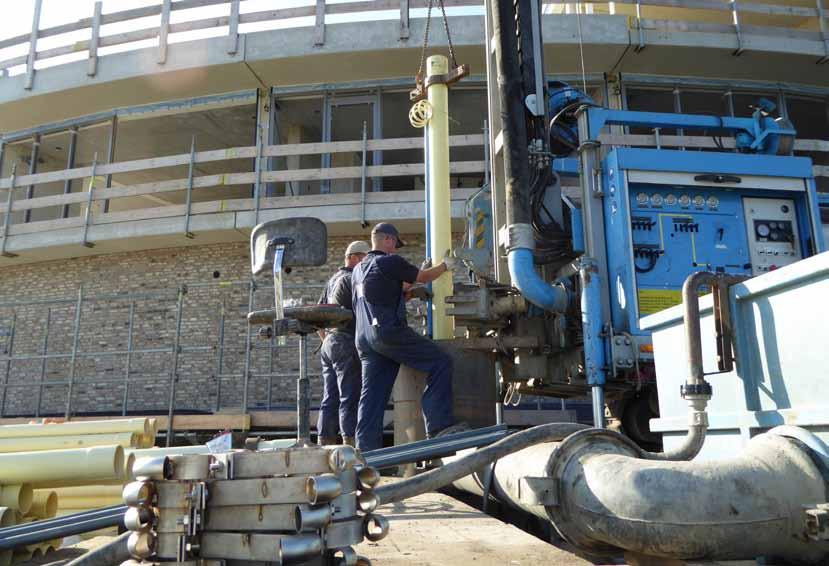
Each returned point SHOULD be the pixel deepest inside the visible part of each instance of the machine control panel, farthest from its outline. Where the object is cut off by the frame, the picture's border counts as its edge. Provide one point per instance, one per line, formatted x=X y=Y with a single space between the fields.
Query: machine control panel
x=772 y=230
x=676 y=230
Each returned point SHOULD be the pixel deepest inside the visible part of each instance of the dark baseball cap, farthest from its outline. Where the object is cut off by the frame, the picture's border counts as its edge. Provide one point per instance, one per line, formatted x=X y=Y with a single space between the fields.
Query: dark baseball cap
x=389 y=229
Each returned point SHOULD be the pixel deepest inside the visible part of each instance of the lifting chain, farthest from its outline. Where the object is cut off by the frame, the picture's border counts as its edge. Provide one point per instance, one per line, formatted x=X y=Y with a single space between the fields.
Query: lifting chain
x=458 y=72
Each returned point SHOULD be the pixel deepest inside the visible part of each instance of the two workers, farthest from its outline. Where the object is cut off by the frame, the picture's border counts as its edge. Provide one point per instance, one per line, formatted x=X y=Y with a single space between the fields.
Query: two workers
x=382 y=340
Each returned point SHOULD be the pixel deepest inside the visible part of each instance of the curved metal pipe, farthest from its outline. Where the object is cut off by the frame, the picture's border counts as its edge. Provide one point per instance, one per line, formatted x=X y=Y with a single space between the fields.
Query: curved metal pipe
x=439 y=477
x=696 y=390
x=526 y=279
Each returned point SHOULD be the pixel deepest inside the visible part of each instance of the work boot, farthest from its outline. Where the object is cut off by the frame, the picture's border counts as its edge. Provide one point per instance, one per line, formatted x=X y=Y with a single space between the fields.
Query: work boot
x=350 y=441
x=327 y=440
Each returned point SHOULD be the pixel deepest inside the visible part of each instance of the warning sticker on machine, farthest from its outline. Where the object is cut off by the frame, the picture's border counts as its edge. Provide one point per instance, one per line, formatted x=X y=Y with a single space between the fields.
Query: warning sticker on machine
x=655 y=300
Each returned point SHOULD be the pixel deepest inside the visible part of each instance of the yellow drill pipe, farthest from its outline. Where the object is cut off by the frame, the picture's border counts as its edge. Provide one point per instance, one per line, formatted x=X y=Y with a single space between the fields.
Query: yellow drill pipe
x=40 y=443
x=67 y=494
x=17 y=497
x=440 y=221
x=51 y=466
x=44 y=504
x=76 y=428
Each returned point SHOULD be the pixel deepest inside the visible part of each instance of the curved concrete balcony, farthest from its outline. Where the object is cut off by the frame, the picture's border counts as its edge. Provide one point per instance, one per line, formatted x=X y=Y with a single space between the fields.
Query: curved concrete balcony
x=377 y=39
x=206 y=209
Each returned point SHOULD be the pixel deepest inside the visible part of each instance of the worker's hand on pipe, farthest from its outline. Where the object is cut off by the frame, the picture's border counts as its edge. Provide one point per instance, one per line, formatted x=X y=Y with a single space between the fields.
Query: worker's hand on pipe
x=450 y=261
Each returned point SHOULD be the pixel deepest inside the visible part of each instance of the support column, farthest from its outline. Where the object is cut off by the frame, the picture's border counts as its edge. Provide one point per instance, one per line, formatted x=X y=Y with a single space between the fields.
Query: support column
x=408 y=419
x=440 y=229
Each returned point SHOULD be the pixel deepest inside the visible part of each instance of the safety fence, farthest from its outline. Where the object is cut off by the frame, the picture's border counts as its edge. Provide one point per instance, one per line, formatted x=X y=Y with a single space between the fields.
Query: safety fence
x=157 y=351
x=739 y=19
x=259 y=185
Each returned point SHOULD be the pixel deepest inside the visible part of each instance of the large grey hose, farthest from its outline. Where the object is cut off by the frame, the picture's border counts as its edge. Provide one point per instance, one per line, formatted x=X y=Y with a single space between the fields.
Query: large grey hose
x=112 y=553
x=439 y=477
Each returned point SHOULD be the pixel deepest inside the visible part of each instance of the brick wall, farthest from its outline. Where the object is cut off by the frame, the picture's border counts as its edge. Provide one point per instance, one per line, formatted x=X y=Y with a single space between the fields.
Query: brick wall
x=147 y=283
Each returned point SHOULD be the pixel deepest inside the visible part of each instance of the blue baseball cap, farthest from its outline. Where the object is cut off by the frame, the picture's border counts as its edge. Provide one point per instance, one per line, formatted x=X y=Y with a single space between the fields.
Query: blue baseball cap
x=389 y=229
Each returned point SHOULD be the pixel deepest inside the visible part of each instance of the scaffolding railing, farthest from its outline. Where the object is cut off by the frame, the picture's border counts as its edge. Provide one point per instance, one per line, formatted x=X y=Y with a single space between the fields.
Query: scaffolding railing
x=738 y=19
x=70 y=379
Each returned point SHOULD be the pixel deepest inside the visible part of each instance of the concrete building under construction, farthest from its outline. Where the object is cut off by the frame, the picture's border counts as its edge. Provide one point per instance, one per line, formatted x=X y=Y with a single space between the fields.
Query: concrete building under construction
x=140 y=147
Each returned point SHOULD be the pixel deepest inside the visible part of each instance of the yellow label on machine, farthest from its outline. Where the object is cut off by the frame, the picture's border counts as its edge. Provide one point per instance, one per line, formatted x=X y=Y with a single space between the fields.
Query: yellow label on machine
x=655 y=300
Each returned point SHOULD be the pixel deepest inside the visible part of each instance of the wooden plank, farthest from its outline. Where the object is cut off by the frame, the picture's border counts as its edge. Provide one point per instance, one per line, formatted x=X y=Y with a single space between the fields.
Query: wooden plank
x=236 y=153
x=132 y=14
x=404 y=19
x=195 y=25
x=319 y=24
x=14 y=61
x=128 y=37
x=92 y=65
x=163 y=31
x=279 y=14
x=190 y=4
x=30 y=60
x=233 y=31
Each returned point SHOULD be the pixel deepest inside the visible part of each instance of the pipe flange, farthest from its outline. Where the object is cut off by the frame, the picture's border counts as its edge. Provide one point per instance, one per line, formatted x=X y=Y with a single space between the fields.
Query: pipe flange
x=696 y=390
x=575 y=446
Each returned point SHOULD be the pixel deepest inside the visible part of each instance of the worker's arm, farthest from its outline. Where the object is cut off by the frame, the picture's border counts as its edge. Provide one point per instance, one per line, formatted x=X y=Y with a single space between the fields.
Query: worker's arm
x=427 y=273
x=430 y=274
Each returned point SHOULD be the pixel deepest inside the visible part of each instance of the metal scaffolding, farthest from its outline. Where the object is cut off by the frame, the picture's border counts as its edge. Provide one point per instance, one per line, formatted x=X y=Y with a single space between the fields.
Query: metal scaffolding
x=14 y=323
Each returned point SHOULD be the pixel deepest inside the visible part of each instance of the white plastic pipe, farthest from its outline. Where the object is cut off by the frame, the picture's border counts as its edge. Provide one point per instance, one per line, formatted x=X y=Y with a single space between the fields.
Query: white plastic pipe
x=440 y=225
x=76 y=428
x=42 y=469
x=40 y=443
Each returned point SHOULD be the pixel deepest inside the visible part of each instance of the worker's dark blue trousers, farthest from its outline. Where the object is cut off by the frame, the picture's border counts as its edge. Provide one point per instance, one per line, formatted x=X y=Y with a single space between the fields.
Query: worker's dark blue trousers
x=382 y=352
x=341 y=377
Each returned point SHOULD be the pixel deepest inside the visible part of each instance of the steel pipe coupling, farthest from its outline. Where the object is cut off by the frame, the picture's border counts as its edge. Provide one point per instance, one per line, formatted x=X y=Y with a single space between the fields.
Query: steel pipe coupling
x=320 y=489
x=138 y=518
x=342 y=458
x=345 y=556
x=141 y=544
x=375 y=527
x=367 y=501
x=138 y=493
x=152 y=468
x=310 y=518
x=299 y=548
x=367 y=477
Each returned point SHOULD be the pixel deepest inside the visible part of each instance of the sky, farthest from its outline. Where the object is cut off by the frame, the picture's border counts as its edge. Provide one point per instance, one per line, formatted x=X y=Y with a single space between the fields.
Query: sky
x=56 y=12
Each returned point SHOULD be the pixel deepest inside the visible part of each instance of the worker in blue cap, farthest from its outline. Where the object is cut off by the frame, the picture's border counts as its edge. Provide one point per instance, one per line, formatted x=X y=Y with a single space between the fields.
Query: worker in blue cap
x=341 y=370
x=385 y=341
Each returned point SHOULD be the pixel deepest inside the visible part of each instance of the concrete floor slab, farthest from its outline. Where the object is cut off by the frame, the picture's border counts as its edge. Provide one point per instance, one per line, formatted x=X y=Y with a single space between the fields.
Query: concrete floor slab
x=438 y=530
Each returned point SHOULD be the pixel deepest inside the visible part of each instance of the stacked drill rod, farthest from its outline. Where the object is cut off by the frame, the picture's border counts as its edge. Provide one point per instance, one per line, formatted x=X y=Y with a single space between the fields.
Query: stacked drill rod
x=301 y=505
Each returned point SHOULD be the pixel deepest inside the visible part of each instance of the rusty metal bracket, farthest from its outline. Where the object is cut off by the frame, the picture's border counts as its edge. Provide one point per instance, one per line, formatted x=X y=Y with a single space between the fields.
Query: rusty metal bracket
x=722 y=322
x=422 y=86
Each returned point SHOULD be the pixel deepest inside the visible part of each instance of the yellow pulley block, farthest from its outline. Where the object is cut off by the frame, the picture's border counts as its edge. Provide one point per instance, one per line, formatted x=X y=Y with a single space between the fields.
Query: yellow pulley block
x=420 y=113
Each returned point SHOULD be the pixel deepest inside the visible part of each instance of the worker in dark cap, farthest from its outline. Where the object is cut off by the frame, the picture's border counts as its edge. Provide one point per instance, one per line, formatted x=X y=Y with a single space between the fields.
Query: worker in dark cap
x=385 y=341
x=341 y=371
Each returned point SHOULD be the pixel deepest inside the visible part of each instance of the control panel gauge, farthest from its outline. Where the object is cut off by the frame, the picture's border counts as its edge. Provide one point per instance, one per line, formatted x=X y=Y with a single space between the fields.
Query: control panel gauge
x=670 y=199
x=642 y=199
x=684 y=201
x=656 y=200
x=699 y=201
x=713 y=202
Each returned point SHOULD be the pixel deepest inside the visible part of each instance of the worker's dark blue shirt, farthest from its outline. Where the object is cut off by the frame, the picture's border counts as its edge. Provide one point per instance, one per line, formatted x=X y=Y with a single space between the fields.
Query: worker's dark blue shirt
x=338 y=292
x=377 y=284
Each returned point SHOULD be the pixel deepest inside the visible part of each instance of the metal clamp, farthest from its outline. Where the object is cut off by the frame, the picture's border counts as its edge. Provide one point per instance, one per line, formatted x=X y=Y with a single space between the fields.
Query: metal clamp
x=422 y=86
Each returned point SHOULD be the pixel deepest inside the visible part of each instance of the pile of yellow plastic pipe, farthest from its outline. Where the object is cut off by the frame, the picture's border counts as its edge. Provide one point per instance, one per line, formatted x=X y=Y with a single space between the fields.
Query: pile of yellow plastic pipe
x=62 y=468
